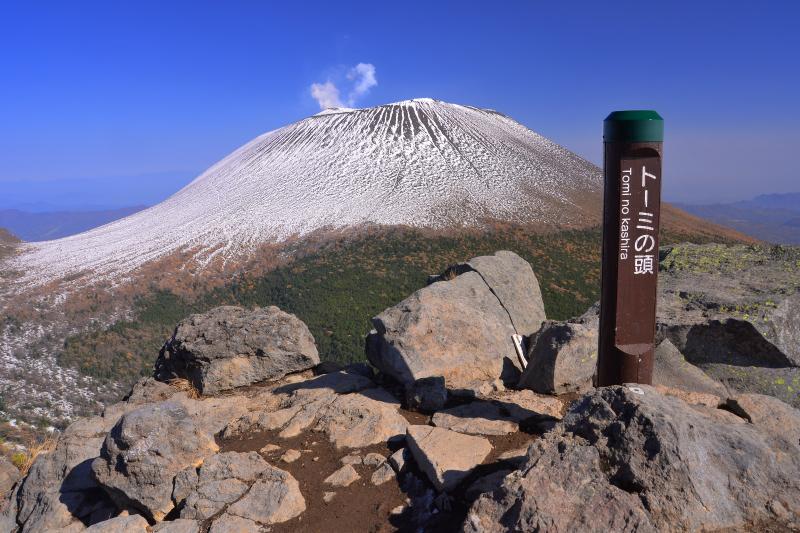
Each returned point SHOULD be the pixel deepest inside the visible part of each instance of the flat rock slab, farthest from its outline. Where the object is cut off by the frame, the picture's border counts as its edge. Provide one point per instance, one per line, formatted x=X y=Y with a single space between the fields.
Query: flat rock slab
x=446 y=457
x=222 y=479
x=343 y=477
x=476 y=418
x=524 y=404
x=230 y=347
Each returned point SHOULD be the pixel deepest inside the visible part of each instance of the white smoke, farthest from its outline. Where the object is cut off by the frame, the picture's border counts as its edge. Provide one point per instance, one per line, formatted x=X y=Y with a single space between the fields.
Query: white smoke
x=326 y=94
x=361 y=79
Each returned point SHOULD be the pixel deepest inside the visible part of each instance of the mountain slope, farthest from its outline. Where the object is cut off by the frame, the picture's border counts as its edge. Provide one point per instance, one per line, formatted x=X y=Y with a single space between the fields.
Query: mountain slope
x=420 y=162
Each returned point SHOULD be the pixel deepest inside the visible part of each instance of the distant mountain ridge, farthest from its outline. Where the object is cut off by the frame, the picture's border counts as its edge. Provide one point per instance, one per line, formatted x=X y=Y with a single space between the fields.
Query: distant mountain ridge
x=769 y=217
x=45 y=226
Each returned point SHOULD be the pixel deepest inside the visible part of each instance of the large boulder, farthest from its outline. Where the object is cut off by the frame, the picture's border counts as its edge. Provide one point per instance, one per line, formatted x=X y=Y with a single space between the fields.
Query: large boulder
x=145 y=450
x=460 y=327
x=562 y=358
x=561 y=488
x=230 y=347
x=632 y=459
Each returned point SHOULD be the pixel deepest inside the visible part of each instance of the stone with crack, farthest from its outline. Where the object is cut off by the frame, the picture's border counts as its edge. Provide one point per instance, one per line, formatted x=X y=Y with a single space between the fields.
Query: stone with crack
x=460 y=328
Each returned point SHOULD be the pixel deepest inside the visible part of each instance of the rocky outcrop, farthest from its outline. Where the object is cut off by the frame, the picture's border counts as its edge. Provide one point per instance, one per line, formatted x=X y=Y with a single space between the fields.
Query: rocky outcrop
x=460 y=326
x=641 y=461
x=562 y=358
x=143 y=453
x=231 y=347
x=233 y=482
x=737 y=305
x=347 y=408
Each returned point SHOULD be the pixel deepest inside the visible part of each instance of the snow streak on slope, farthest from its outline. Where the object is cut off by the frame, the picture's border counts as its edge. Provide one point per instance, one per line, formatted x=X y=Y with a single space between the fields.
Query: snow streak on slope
x=418 y=162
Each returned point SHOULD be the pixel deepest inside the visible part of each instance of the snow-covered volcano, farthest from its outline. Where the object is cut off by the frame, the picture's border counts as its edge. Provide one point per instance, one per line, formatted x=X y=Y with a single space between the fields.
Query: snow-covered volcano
x=418 y=162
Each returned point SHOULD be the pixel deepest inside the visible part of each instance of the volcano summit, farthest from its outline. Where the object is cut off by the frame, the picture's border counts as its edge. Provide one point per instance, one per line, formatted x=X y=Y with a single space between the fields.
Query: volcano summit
x=421 y=162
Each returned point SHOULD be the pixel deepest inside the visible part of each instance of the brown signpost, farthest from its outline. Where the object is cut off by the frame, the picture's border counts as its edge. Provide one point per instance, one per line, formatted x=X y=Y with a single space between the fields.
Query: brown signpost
x=631 y=215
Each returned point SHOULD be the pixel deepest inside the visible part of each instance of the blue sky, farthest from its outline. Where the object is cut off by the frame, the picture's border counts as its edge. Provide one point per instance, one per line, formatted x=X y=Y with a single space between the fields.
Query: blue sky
x=97 y=97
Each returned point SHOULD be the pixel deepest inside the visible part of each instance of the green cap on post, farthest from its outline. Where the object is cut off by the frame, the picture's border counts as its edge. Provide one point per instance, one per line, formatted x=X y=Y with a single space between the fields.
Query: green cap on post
x=633 y=126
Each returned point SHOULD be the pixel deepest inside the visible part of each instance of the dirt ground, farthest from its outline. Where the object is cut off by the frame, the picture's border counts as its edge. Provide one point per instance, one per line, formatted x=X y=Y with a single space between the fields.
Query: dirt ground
x=362 y=506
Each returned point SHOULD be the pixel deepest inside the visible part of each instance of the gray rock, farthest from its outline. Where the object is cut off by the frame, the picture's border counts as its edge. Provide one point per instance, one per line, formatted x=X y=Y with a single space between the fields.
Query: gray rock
x=487 y=483
x=374 y=459
x=737 y=305
x=671 y=369
x=562 y=358
x=524 y=404
x=561 y=488
x=352 y=459
x=426 y=394
x=274 y=498
x=782 y=383
x=445 y=456
x=121 y=524
x=290 y=456
x=181 y=525
x=139 y=458
x=343 y=477
x=234 y=524
x=512 y=280
x=400 y=460
x=627 y=461
x=58 y=493
x=736 y=470
x=382 y=474
x=456 y=329
x=476 y=418
x=230 y=347
x=9 y=474
x=222 y=479
x=361 y=419
x=294 y=408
